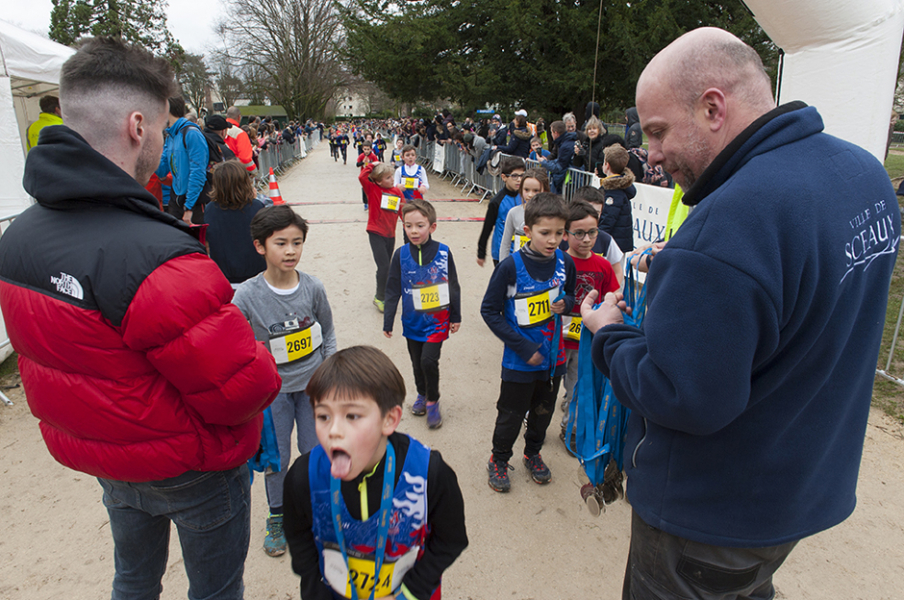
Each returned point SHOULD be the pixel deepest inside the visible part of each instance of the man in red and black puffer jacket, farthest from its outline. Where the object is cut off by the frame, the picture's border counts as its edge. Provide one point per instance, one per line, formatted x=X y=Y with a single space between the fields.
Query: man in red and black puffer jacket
x=140 y=370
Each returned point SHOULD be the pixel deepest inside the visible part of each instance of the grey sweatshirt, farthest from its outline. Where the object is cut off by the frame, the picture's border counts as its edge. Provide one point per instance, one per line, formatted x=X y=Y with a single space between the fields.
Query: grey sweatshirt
x=268 y=311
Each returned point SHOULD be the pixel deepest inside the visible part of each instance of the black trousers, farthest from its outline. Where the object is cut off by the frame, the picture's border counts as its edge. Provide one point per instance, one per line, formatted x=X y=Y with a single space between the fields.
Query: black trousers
x=515 y=399
x=664 y=566
x=425 y=362
x=344 y=151
x=176 y=207
x=382 y=248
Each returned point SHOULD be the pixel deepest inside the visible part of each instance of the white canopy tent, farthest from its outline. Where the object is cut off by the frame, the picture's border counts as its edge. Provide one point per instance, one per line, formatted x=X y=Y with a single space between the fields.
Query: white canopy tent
x=29 y=68
x=841 y=58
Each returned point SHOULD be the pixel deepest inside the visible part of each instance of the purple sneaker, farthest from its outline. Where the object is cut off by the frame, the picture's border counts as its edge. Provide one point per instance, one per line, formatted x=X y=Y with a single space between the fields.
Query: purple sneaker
x=419 y=408
x=434 y=418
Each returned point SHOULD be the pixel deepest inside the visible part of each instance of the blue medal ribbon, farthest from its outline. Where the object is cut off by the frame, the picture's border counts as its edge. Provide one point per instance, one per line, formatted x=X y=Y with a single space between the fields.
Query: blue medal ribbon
x=382 y=526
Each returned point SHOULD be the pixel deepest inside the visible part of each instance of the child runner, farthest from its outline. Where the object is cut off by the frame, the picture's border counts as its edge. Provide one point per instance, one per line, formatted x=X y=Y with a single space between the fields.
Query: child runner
x=422 y=274
x=526 y=294
x=396 y=157
x=514 y=237
x=379 y=146
x=366 y=483
x=334 y=146
x=512 y=168
x=233 y=203
x=289 y=311
x=593 y=272
x=385 y=202
x=366 y=157
x=342 y=142
x=411 y=177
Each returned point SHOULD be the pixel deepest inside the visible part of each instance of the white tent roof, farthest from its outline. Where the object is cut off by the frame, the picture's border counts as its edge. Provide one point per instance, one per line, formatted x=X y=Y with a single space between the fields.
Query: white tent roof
x=31 y=61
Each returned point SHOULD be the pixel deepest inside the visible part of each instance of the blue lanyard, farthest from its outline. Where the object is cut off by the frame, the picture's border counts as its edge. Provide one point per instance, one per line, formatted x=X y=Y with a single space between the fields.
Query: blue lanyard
x=557 y=331
x=382 y=527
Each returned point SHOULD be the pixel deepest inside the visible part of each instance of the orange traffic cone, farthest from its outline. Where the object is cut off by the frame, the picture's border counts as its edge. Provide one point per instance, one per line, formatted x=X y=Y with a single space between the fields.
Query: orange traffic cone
x=274 y=190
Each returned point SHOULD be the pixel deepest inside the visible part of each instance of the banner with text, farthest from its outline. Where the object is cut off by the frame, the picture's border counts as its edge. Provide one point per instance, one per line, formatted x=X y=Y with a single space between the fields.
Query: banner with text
x=439 y=158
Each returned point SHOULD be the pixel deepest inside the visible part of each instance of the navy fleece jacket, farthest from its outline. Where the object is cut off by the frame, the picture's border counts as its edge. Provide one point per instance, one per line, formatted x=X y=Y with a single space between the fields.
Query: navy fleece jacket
x=751 y=381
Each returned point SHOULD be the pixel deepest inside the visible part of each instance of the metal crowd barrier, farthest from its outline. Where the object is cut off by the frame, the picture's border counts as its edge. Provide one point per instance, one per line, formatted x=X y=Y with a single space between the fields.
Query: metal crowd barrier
x=460 y=168
x=281 y=155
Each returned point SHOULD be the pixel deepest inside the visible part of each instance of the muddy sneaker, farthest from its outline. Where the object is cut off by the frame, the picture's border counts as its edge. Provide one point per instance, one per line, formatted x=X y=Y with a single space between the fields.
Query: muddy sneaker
x=539 y=472
x=419 y=408
x=434 y=418
x=499 y=479
x=379 y=304
x=275 y=542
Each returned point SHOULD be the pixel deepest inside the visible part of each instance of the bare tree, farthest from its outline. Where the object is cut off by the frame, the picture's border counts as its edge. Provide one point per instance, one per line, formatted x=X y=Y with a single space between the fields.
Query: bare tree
x=291 y=46
x=194 y=77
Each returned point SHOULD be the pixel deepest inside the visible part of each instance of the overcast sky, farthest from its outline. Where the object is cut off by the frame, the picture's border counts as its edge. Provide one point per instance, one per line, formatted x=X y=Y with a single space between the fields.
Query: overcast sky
x=191 y=21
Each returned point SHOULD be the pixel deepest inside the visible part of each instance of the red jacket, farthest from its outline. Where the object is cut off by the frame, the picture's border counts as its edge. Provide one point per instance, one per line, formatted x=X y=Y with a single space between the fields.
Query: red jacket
x=240 y=144
x=380 y=221
x=130 y=352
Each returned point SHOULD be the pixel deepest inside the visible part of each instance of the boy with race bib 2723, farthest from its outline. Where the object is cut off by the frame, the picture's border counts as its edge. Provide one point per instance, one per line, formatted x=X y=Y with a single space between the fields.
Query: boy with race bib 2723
x=422 y=274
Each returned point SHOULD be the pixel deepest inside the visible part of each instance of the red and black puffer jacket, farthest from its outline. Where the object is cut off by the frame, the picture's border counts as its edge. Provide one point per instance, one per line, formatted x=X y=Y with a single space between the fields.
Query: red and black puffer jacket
x=130 y=352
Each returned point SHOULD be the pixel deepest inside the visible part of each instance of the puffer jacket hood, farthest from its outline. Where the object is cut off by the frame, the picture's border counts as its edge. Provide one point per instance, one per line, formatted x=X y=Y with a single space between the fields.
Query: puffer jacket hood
x=619 y=182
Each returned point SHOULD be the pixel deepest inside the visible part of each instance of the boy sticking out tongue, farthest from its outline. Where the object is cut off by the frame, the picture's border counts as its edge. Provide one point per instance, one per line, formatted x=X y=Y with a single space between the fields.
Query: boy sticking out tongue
x=382 y=477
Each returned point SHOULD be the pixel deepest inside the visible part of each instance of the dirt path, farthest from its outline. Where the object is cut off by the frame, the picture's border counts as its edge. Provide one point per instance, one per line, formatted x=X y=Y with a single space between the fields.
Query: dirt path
x=534 y=543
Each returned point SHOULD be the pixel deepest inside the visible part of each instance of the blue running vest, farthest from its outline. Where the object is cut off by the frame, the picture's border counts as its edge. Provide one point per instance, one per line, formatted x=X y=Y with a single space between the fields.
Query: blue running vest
x=407 y=528
x=425 y=296
x=528 y=311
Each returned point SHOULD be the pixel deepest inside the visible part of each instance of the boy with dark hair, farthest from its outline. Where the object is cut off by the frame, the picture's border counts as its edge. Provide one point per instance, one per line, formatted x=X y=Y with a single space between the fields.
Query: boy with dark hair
x=422 y=274
x=385 y=202
x=526 y=294
x=342 y=142
x=379 y=146
x=604 y=245
x=512 y=169
x=289 y=311
x=342 y=497
x=411 y=177
x=616 y=217
x=593 y=272
x=558 y=168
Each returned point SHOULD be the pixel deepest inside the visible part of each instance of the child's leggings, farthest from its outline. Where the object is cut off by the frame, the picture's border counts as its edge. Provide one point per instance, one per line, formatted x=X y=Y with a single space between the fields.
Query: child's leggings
x=515 y=399
x=425 y=362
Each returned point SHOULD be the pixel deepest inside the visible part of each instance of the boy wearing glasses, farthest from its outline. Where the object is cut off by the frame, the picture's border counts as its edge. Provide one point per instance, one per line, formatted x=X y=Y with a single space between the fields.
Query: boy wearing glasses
x=619 y=188
x=593 y=273
x=512 y=169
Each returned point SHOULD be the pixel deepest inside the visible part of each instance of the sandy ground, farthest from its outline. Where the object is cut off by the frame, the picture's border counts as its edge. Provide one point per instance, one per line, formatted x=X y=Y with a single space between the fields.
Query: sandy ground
x=537 y=542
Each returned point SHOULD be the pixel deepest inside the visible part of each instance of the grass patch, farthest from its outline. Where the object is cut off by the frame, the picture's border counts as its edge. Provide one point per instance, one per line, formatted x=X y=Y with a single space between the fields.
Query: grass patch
x=887 y=395
x=894 y=164
x=9 y=366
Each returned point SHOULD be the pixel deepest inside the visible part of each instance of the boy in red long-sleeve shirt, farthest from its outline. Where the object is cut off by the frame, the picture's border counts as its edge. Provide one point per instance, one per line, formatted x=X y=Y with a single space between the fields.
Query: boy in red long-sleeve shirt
x=384 y=203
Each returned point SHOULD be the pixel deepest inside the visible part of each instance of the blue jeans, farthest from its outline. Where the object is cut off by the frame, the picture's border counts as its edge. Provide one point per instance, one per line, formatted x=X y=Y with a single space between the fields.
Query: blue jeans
x=211 y=511
x=291 y=409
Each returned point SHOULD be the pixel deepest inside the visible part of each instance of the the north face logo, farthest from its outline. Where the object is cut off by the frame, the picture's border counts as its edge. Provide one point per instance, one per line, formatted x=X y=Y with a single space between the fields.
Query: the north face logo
x=69 y=285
